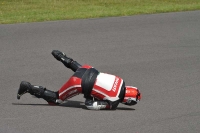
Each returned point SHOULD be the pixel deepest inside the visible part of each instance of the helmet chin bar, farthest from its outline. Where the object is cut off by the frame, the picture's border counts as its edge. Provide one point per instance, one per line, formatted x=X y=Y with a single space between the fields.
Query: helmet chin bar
x=129 y=101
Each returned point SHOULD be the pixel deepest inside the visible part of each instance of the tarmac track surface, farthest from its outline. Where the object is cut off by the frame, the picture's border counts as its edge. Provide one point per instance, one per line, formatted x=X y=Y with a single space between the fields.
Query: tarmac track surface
x=159 y=54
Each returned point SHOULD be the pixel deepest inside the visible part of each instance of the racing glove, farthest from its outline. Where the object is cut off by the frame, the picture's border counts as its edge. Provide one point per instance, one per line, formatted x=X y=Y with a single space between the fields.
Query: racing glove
x=97 y=105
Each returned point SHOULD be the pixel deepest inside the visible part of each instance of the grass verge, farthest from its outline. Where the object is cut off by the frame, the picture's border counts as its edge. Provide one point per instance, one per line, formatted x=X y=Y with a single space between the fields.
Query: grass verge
x=20 y=11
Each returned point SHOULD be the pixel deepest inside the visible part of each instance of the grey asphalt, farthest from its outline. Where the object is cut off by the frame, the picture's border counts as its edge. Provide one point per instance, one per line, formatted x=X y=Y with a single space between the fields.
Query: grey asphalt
x=158 y=53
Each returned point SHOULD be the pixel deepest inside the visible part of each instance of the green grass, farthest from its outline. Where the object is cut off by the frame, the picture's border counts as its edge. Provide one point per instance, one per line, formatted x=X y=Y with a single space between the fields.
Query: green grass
x=20 y=11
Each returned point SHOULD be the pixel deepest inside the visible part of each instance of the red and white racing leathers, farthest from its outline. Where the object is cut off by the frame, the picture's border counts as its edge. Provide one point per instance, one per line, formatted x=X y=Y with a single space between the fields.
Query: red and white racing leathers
x=107 y=90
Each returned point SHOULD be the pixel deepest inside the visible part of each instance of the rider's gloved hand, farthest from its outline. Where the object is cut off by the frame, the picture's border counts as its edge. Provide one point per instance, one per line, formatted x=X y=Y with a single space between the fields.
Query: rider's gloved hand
x=97 y=105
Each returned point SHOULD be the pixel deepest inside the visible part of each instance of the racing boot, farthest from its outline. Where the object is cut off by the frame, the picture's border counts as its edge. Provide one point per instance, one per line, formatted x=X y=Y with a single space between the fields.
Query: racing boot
x=67 y=61
x=38 y=91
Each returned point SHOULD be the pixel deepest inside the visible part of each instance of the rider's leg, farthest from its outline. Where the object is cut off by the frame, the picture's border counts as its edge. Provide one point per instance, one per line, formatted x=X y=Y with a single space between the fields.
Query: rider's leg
x=67 y=61
x=38 y=91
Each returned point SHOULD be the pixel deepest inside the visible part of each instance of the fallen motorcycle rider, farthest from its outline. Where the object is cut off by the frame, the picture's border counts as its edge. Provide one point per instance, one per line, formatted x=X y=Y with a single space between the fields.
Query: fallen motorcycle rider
x=101 y=90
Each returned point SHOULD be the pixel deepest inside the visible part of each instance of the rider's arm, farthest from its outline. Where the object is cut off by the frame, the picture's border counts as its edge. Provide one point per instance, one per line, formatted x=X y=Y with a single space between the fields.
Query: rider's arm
x=97 y=105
